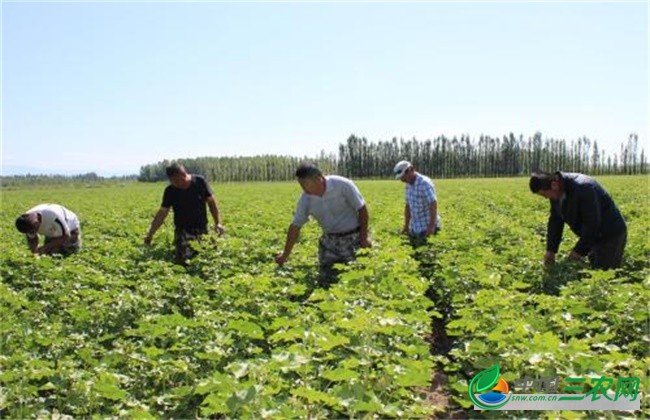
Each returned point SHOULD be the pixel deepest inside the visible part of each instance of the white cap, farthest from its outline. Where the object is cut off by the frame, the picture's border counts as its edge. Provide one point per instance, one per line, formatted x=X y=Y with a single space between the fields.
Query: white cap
x=400 y=168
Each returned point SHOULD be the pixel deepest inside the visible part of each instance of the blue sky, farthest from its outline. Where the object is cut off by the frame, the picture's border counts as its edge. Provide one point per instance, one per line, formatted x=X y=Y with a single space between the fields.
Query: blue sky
x=111 y=86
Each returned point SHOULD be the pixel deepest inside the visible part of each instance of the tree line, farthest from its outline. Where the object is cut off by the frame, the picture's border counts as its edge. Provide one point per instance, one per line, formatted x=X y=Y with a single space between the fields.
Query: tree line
x=442 y=157
x=241 y=169
x=87 y=179
x=446 y=157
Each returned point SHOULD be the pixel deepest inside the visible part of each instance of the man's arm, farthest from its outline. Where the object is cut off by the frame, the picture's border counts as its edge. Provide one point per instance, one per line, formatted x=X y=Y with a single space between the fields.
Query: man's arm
x=355 y=199
x=300 y=217
x=433 y=216
x=292 y=237
x=157 y=221
x=214 y=210
x=363 y=227
x=429 y=191
x=554 y=230
x=32 y=242
x=407 y=218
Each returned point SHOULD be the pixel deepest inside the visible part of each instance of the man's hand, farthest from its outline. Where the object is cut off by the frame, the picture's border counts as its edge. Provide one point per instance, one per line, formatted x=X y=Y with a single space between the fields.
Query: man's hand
x=405 y=230
x=430 y=230
x=549 y=258
x=574 y=256
x=147 y=239
x=280 y=259
x=365 y=243
x=219 y=229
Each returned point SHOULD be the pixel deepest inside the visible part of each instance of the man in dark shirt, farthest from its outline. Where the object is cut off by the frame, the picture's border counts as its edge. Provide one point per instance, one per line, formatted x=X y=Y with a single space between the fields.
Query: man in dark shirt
x=187 y=195
x=579 y=201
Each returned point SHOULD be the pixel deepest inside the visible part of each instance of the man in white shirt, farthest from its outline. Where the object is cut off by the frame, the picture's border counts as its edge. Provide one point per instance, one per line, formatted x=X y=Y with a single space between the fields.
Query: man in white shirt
x=58 y=225
x=336 y=203
x=421 y=218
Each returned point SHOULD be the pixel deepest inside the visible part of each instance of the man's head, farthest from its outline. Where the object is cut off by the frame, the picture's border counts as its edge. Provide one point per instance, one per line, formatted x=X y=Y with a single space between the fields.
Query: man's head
x=28 y=223
x=311 y=179
x=547 y=185
x=177 y=175
x=404 y=171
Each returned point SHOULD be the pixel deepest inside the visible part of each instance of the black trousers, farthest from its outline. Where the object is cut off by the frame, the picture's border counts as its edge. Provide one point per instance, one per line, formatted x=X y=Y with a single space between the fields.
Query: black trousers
x=608 y=253
x=182 y=238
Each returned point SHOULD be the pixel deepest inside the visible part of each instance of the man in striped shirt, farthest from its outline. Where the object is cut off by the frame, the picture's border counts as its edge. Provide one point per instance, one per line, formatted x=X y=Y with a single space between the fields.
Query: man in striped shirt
x=421 y=218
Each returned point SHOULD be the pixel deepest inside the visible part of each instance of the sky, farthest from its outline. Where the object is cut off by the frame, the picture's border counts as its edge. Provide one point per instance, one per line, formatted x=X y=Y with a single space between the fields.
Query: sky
x=111 y=86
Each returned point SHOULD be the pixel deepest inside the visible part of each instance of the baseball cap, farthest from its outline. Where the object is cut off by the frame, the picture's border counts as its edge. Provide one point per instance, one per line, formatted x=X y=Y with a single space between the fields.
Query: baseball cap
x=400 y=168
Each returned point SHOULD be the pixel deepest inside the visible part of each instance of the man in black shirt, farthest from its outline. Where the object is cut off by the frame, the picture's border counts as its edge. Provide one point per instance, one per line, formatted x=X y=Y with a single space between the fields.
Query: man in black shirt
x=187 y=195
x=579 y=201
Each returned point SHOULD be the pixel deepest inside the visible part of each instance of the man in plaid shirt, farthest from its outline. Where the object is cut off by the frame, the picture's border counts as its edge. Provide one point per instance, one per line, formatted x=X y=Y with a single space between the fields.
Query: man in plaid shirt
x=421 y=218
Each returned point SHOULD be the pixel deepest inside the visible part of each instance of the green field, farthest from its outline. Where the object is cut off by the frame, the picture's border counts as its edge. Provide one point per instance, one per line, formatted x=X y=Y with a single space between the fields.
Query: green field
x=118 y=330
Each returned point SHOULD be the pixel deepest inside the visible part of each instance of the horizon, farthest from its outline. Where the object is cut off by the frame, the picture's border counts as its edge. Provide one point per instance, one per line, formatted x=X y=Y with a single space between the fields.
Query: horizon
x=31 y=171
x=26 y=171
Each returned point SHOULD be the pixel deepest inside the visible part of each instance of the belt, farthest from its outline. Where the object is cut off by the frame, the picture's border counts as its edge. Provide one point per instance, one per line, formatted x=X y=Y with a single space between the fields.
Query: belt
x=349 y=232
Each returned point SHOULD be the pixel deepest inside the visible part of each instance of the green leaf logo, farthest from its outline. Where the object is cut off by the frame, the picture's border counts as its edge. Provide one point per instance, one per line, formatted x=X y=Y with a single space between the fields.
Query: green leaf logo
x=487 y=378
x=484 y=381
